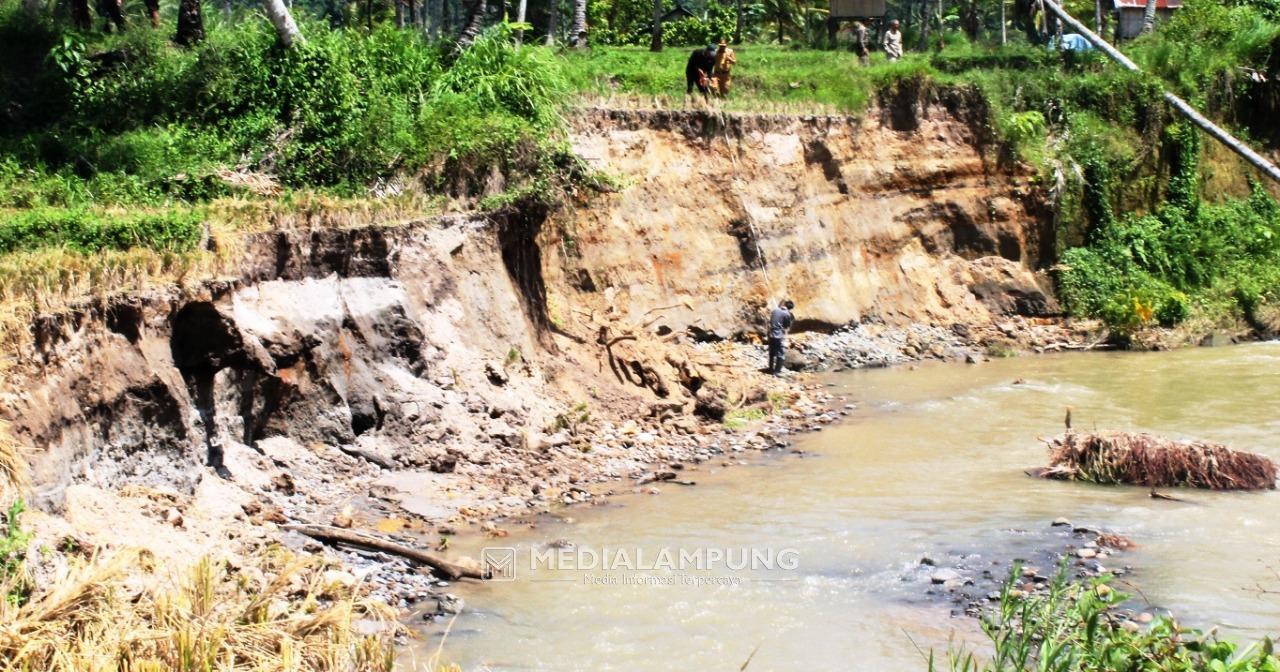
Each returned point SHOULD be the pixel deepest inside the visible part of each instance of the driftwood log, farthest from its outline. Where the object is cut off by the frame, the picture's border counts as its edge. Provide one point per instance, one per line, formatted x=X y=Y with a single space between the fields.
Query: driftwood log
x=338 y=535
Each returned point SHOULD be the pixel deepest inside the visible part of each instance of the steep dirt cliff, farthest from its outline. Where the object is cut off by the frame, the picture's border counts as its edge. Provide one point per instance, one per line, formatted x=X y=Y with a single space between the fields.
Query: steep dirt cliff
x=464 y=367
x=899 y=216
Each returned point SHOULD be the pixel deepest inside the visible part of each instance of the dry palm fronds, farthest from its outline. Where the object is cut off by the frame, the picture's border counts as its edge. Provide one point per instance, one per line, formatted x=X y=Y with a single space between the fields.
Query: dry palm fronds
x=1153 y=461
x=282 y=614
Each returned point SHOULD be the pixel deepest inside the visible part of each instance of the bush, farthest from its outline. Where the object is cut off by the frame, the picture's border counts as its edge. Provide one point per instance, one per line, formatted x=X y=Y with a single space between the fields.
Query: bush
x=145 y=122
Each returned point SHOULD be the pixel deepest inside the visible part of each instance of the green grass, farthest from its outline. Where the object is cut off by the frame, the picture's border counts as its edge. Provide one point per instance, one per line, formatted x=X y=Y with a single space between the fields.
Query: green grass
x=86 y=232
x=767 y=78
x=741 y=417
x=1071 y=629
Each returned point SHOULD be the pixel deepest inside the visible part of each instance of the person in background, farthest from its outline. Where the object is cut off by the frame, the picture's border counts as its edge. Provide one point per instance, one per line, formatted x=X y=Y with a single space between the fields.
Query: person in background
x=779 y=323
x=697 y=72
x=860 y=41
x=893 y=41
x=722 y=73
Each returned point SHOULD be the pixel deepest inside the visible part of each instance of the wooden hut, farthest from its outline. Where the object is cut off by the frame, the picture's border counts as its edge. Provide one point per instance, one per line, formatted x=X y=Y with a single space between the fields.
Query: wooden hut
x=1129 y=14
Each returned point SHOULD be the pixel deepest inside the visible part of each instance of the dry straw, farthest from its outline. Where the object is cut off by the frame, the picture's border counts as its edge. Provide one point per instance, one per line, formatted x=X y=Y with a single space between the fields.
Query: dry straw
x=285 y=614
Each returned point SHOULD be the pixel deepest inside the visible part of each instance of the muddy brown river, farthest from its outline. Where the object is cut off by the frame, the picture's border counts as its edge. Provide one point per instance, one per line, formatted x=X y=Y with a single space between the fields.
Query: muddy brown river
x=929 y=464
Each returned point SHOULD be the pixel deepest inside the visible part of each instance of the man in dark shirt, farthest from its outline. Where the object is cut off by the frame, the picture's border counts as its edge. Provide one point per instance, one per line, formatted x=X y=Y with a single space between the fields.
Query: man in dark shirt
x=697 y=71
x=779 y=323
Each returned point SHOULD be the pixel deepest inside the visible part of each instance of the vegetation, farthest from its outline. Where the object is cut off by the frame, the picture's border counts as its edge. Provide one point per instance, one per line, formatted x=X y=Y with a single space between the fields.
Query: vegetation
x=284 y=613
x=1143 y=459
x=1071 y=628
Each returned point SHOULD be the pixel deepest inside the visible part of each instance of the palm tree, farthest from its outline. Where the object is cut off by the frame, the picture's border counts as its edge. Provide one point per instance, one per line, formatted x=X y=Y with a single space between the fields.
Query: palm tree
x=579 y=37
x=475 y=22
x=783 y=14
x=553 y=21
x=190 y=23
x=1149 y=17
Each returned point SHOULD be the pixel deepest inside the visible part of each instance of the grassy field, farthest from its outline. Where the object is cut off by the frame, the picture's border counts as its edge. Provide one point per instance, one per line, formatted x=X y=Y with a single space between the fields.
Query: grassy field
x=767 y=79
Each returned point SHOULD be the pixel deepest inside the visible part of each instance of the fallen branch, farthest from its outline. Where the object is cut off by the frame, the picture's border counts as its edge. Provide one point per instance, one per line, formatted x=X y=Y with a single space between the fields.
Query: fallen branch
x=337 y=535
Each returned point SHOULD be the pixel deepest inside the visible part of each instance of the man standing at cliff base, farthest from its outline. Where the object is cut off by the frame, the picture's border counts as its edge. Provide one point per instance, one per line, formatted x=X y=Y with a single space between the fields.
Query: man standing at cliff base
x=779 y=323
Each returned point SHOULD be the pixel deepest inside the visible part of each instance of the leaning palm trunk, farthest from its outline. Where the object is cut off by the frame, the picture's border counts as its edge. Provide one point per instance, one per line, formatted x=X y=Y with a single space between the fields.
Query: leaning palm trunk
x=1149 y=17
x=286 y=30
x=475 y=22
x=1112 y=458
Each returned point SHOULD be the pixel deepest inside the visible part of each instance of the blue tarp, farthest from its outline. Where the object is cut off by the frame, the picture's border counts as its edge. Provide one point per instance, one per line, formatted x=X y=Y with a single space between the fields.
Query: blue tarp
x=1076 y=42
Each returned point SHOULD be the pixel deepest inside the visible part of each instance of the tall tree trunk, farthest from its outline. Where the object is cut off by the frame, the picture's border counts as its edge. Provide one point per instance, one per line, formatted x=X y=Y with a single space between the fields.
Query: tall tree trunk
x=153 y=12
x=924 y=25
x=286 y=30
x=1097 y=16
x=32 y=7
x=80 y=16
x=475 y=22
x=579 y=37
x=1149 y=17
x=1004 y=25
x=190 y=23
x=115 y=12
x=521 y=9
x=737 y=22
x=368 y=14
x=400 y=14
x=655 y=35
x=226 y=11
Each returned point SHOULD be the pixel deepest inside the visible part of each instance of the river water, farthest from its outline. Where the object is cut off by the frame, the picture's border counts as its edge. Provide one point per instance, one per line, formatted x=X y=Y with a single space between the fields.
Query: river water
x=930 y=463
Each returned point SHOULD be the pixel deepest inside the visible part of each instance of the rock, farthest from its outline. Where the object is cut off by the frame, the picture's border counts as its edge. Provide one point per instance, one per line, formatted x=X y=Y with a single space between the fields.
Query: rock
x=449 y=604
x=339 y=578
x=944 y=575
x=1061 y=522
x=557 y=440
x=710 y=402
x=495 y=374
x=794 y=361
x=1086 y=553
x=173 y=517
x=1144 y=618
x=928 y=561
x=343 y=518
x=1130 y=626
x=954 y=584
x=283 y=482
